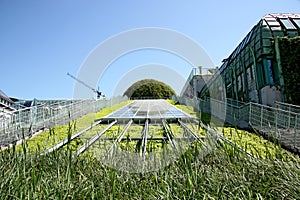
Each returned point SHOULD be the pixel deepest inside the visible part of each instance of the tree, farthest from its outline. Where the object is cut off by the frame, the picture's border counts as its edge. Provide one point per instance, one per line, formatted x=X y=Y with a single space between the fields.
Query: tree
x=149 y=88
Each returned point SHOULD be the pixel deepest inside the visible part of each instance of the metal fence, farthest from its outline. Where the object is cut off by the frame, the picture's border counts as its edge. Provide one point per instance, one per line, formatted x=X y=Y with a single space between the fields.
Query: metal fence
x=281 y=122
x=276 y=123
x=13 y=125
x=288 y=107
x=229 y=111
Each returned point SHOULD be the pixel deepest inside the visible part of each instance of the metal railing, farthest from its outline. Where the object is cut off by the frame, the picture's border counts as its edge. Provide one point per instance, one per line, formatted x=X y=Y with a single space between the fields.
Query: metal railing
x=287 y=106
x=281 y=122
x=24 y=122
x=283 y=125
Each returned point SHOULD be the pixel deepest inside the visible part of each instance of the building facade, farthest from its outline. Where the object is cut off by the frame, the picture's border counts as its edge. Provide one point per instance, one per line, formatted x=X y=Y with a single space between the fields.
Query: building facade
x=6 y=109
x=255 y=70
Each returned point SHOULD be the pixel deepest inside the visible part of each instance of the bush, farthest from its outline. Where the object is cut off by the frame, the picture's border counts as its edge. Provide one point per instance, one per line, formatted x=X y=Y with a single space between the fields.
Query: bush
x=149 y=88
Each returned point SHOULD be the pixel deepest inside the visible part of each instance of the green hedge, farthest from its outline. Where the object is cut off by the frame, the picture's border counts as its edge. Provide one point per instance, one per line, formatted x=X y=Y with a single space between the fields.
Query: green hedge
x=149 y=88
x=290 y=61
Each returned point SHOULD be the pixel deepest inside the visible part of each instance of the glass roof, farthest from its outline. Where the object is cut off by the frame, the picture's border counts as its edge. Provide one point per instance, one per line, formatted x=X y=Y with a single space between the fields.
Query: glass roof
x=297 y=22
x=150 y=109
x=287 y=24
x=274 y=22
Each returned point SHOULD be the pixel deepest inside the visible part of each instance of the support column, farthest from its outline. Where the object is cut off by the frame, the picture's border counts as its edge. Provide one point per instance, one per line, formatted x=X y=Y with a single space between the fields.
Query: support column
x=281 y=81
x=256 y=75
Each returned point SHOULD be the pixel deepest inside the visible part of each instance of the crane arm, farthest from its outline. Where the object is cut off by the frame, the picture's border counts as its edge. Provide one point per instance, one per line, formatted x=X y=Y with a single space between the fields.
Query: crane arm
x=80 y=81
x=99 y=94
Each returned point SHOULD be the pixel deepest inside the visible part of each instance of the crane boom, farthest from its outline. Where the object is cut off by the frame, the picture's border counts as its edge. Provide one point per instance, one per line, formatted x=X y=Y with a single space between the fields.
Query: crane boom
x=99 y=94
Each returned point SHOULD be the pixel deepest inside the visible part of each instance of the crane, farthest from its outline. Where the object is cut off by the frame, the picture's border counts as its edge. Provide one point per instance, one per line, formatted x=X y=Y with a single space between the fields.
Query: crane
x=99 y=94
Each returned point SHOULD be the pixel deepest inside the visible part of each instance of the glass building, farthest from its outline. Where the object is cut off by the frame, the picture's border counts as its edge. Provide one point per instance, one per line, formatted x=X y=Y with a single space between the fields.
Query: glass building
x=254 y=71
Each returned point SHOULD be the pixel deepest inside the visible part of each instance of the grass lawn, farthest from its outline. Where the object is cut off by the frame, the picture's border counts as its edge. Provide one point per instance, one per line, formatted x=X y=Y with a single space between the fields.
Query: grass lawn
x=223 y=172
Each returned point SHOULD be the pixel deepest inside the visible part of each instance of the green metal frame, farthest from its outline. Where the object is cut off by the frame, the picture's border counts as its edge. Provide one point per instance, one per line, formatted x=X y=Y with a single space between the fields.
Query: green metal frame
x=260 y=49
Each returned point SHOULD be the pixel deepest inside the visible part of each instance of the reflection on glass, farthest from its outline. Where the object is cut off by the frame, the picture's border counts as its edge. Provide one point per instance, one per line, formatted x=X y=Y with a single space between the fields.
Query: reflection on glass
x=287 y=24
x=297 y=21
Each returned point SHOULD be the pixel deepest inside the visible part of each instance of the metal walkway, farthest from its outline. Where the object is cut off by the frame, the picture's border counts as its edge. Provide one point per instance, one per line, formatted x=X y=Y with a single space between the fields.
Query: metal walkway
x=143 y=113
x=143 y=136
x=149 y=109
x=25 y=122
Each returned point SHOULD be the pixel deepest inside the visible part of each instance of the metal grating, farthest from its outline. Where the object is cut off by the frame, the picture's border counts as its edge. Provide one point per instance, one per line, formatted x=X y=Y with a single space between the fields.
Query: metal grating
x=149 y=109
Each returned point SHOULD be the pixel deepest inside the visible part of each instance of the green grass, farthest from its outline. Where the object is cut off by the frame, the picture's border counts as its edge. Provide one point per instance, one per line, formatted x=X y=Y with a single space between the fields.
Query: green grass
x=58 y=133
x=256 y=145
x=249 y=142
x=223 y=172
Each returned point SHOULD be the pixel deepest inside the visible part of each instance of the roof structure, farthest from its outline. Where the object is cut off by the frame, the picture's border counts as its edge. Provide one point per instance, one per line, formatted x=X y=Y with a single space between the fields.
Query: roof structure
x=5 y=97
x=149 y=109
x=5 y=103
x=270 y=26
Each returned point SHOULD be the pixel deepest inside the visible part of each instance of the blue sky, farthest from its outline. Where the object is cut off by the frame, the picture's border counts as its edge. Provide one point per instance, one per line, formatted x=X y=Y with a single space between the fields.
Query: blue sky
x=40 y=41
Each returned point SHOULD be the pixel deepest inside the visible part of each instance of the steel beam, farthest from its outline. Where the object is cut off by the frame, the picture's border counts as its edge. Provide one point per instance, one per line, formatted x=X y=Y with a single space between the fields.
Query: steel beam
x=93 y=139
x=144 y=140
x=65 y=141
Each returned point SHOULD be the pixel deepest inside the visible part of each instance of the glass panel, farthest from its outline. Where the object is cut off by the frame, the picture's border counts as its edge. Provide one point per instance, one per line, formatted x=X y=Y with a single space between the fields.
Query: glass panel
x=287 y=24
x=273 y=23
x=270 y=72
x=265 y=23
x=297 y=21
x=276 y=28
x=248 y=37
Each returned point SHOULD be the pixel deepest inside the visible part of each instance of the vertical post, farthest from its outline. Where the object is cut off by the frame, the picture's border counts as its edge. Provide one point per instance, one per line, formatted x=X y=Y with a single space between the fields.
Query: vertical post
x=276 y=120
x=53 y=116
x=250 y=114
x=16 y=126
x=200 y=111
x=3 y=125
x=237 y=109
x=281 y=81
x=295 y=129
x=235 y=83
x=289 y=121
x=261 y=116
x=245 y=78
x=256 y=74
